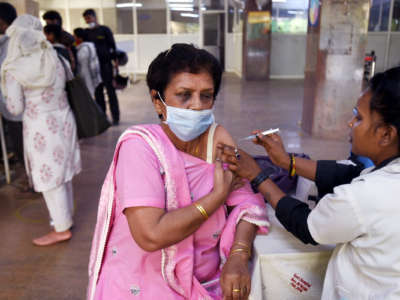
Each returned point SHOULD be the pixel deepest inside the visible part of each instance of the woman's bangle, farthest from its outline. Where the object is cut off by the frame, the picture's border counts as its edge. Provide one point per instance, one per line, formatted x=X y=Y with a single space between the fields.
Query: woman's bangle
x=293 y=166
x=242 y=244
x=240 y=250
x=201 y=210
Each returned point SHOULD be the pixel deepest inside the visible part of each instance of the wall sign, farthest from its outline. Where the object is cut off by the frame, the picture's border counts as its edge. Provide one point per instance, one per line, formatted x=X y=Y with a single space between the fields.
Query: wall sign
x=313 y=12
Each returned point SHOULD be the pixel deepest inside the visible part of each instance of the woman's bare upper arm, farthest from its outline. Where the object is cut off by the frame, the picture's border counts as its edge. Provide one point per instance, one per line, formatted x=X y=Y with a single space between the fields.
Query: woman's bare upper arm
x=222 y=136
x=142 y=220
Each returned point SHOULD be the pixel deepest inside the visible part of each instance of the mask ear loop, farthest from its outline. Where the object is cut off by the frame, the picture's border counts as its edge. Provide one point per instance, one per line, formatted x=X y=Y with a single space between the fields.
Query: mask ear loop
x=161 y=116
x=161 y=99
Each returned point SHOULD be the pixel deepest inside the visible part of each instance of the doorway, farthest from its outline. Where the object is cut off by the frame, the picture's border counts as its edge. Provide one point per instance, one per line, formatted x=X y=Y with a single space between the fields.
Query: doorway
x=214 y=34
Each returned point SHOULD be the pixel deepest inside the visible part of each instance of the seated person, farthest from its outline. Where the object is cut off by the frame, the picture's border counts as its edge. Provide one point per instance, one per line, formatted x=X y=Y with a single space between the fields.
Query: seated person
x=172 y=222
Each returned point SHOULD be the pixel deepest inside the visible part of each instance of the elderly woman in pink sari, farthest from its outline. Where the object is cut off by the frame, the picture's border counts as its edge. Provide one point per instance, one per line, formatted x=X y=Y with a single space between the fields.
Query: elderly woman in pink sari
x=173 y=222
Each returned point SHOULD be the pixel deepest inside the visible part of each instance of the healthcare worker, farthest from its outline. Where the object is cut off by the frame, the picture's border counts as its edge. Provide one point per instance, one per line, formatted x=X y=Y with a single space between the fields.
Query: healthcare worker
x=358 y=210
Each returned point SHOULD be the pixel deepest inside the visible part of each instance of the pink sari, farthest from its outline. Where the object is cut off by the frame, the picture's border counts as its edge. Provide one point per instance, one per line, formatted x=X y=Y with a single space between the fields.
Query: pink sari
x=177 y=260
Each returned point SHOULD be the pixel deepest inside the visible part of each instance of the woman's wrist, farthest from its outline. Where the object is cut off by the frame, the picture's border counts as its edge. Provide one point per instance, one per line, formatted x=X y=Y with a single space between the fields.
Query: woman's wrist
x=239 y=256
x=219 y=195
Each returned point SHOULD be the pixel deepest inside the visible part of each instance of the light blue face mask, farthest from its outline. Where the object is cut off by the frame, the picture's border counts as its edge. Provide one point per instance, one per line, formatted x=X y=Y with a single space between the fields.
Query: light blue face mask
x=187 y=124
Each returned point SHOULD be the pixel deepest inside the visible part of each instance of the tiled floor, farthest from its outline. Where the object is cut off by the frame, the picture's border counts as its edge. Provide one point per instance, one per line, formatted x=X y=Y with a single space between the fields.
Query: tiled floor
x=60 y=272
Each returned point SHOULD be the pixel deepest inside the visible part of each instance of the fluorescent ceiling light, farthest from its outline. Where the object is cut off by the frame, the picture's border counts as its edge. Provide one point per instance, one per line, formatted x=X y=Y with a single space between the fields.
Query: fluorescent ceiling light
x=122 y=5
x=295 y=12
x=180 y=1
x=189 y=15
x=182 y=8
x=180 y=5
x=279 y=1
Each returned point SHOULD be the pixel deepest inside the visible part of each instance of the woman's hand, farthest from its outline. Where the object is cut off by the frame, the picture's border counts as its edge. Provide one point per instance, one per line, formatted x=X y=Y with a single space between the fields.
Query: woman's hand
x=224 y=180
x=235 y=278
x=273 y=144
x=242 y=164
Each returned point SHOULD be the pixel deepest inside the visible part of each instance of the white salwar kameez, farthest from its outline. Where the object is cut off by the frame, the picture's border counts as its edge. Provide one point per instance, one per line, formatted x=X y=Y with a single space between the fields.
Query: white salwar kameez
x=33 y=82
x=88 y=65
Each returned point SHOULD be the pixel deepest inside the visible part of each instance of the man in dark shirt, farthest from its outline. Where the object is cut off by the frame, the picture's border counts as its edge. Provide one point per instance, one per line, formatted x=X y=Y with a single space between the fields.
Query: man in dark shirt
x=103 y=39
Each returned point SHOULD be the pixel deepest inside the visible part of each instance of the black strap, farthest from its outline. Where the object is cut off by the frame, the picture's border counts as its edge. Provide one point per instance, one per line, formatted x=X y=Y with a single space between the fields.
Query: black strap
x=260 y=178
x=64 y=65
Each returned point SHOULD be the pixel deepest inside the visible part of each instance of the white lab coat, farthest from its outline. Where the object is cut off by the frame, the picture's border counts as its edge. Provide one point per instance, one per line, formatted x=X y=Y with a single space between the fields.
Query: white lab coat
x=362 y=218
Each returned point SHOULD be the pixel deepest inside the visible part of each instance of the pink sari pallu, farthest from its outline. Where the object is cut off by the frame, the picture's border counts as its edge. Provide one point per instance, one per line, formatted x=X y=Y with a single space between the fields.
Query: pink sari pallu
x=248 y=206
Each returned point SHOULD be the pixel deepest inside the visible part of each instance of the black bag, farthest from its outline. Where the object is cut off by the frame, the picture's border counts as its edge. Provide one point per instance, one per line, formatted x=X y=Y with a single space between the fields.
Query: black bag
x=121 y=57
x=120 y=82
x=90 y=119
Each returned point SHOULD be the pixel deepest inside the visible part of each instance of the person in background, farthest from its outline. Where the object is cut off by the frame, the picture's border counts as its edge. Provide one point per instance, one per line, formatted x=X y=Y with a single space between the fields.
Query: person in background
x=33 y=83
x=88 y=62
x=12 y=123
x=53 y=35
x=103 y=39
x=52 y=17
x=359 y=209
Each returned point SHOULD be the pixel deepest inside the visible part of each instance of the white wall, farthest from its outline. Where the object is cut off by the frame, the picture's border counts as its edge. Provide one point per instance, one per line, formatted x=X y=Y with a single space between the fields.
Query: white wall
x=394 y=50
x=233 y=53
x=377 y=43
x=143 y=48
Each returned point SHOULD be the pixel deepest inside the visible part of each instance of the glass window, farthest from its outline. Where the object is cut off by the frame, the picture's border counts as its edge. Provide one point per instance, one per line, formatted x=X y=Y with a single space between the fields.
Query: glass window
x=212 y=4
x=152 y=17
x=235 y=16
x=124 y=17
x=290 y=16
x=184 y=17
x=396 y=16
x=110 y=18
x=379 y=15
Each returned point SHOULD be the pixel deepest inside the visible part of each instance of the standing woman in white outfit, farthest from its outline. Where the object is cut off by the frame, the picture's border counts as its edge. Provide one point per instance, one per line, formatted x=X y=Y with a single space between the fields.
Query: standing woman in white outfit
x=88 y=62
x=33 y=82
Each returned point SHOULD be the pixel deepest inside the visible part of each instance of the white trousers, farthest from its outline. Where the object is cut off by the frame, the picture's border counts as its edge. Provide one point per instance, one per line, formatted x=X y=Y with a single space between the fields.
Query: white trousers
x=60 y=203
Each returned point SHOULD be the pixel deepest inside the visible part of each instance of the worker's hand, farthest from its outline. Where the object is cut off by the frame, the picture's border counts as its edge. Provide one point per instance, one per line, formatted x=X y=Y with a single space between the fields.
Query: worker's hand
x=273 y=144
x=239 y=162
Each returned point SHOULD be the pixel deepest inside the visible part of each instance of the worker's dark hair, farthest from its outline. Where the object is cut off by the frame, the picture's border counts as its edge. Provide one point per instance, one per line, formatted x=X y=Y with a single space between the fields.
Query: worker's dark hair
x=385 y=100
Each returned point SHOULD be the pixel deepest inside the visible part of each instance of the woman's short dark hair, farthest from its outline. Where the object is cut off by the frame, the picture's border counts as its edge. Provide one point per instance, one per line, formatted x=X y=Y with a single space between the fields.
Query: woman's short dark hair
x=82 y=34
x=385 y=100
x=52 y=15
x=7 y=13
x=53 y=29
x=182 y=58
x=89 y=12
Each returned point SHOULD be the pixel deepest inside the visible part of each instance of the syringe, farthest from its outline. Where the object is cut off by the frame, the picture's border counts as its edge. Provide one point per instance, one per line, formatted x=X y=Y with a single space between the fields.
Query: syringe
x=266 y=132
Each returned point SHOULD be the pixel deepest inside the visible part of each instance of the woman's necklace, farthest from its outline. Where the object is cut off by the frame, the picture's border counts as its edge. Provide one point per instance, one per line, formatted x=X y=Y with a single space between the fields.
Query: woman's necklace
x=196 y=150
